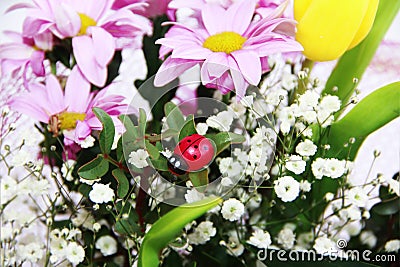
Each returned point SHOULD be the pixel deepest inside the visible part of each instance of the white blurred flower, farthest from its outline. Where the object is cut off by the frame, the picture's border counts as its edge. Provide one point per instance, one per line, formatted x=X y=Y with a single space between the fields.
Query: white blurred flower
x=295 y=164
x=260 y=239
x=324 y=245
x=329 y=196
x=138 y=158
x=306 y=148
x=101 y=193
x=287 y=188
x=203 y=233
x=305 y=186
x=8 y=189
x=286 y=238
x=226 y=181
x=31 y=252
x=88 y=142
x=107 y=245
x=222 y=121
x=75 y=253
x=201 y=128
x=67 y=169
x=358 y=196
x=368 y=238
x=394 y=186
x=392 y=245
x=232 y=209
x=233 y=246
x=21 y=157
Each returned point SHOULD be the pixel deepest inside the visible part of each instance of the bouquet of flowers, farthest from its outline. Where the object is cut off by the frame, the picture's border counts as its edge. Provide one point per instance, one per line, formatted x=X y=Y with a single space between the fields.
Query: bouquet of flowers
x=194 y=133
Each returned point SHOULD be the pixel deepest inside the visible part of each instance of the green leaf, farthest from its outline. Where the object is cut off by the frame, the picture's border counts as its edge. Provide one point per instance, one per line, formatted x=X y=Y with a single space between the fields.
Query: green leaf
x=94 y=169
x=354 y=62
x=142 y=122
x=106 y=138
x=168 y=227
x=160 y=164
x=189 y=128
x=152 y=150
x=175 y=119
x=123 y=183
x=199 y=179
x=370 y=114
x=225 y=139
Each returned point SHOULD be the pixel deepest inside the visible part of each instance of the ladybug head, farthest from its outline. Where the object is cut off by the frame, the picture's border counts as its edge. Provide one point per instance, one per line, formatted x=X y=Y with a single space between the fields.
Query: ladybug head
x=177 y=165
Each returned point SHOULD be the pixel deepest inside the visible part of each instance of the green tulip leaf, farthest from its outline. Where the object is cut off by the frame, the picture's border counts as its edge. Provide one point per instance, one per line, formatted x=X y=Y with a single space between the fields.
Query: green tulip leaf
x=373 y=112
x=168 y=227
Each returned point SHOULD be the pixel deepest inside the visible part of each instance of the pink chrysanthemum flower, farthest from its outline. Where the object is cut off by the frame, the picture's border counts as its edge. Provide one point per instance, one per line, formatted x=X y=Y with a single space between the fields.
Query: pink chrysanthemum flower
x=94 y=27
x=231 y=49
x=22 y=52
x=69 y=111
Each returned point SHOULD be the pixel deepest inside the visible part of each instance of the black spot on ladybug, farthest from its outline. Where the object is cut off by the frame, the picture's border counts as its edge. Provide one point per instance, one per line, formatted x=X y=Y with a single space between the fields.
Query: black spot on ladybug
x=195 y=157
x=196 y=146
x=189 y=140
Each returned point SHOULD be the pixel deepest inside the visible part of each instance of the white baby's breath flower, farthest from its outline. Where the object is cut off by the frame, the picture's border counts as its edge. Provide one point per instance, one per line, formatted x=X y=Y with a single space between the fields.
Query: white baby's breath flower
x=394 y=186
x=31 y=252
x=335 y=168
x=324 y=245
x=226 y=181
x=309 y=100
x=21 y=157
x=234 y=247
x=232 y=209
x=203 y=233
x=75 y=253
x=101 y=193
x=295 y=164
x=201 y=128
x=306 y=148
x=287 y=188
x=88 y=142
x=392 y=245
x=107 y=245
x=305 y=186
x=358 y=196
x=193 y=195
x=286 y=238
x=222 y=121
x=330 y=103
x=318 y=168
x=139 y=158
x=260 y=239
x=287 y=119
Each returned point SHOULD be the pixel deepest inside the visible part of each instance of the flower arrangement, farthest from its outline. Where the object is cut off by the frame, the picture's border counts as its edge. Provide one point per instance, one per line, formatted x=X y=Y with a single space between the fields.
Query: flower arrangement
x=221 y=148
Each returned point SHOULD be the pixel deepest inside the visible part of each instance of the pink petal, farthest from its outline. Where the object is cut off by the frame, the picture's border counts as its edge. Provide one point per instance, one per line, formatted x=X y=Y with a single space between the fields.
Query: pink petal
x=19 y=6
x=191 y=52
x=15 y=51
x=84 y=52
x=216 y=65
x=249 y=65
x=104 y=45
x=214 y=18
x=37 y=63
x=268 y=13
x=239 y=15
x=55 y=94
x=77 y=85
x=82 y=131
x=67 y=20
x=171 y=69
x=238 y=79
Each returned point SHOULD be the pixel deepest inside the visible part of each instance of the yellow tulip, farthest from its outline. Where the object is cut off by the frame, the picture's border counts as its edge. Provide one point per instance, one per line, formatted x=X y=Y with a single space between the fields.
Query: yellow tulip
x=328 y=28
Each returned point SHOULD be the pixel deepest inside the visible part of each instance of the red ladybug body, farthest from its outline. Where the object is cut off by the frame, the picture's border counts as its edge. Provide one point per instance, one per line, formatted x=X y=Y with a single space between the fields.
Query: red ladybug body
x=192 y=153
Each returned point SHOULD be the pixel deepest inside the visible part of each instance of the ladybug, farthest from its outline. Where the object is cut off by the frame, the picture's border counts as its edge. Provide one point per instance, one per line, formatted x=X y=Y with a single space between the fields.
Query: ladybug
x=193 y=153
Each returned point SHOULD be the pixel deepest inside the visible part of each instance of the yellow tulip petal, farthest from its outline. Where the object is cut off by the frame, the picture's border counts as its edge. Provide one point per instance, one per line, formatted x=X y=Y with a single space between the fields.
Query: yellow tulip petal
x=366 y=24
x=300 y=8
x=328 y=27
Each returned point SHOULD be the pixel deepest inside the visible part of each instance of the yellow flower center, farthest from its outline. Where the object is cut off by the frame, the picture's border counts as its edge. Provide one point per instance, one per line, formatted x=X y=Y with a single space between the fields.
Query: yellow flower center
x=224 y=42
x=68 y=120
x=86 y=22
